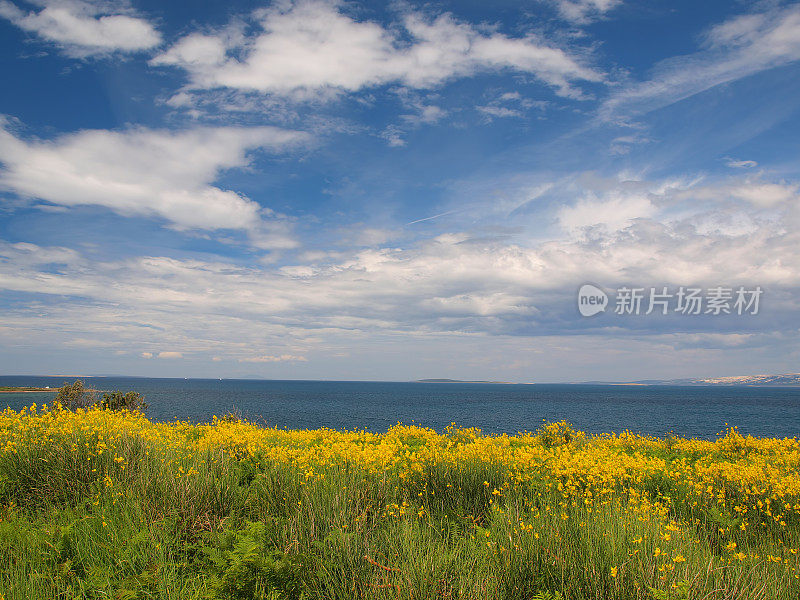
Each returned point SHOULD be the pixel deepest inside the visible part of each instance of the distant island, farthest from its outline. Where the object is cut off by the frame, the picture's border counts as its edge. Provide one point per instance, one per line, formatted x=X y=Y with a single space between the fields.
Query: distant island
x=457 y=381
x=785 y=379
x=782 y=380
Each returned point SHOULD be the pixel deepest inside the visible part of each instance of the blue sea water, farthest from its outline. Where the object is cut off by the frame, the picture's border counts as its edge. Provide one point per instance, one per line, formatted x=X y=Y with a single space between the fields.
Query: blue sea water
x=495 y=408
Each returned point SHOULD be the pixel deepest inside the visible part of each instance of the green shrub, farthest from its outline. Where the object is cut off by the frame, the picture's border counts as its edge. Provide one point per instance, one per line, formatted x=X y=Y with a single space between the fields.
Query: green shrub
x=245 y=569
x=76 y=395
x=120 y=401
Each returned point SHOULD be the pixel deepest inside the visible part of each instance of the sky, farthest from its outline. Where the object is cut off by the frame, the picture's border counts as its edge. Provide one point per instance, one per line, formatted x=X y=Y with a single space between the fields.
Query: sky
x=399 y=190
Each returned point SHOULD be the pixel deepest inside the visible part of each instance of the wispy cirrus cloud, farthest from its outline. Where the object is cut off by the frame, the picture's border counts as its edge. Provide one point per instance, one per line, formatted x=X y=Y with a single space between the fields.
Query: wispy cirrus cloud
x=314 y=48
x=84 y=27
x=735 y=163
x=734 y=49
x=509 y=105
x=584 y=11
x=268 y=358
x=153 y=173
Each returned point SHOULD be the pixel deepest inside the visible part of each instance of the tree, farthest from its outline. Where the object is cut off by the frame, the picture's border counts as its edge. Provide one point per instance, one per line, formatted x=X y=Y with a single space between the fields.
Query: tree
x=75 y=395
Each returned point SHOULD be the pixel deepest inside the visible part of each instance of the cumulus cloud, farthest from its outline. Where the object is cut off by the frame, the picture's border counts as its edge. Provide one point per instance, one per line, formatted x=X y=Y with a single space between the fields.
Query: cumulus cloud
x=732 y=50
x=170 y=354
x=85 y=28
x=313 y=48
x=613 y=212
x=453 y=286
x=143 y=172
x=451 y=282
x=731 y=206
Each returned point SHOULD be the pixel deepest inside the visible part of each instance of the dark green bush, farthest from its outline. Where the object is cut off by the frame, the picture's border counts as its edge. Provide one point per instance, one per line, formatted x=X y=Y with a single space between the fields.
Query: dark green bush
x=120 y=401
x=76 y=395
x=245 y=569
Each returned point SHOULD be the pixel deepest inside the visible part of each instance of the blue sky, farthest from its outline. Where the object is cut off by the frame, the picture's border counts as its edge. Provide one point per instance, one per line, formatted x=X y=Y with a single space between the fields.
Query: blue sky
x=341 y=190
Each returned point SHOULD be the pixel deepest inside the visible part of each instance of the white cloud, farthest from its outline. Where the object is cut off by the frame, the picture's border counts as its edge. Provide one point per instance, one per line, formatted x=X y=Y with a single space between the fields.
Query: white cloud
x=499 y=111
x=448 y=283
x=359 y=235
x=651 y=233
x=312 y=48
x=85 y=28
x=734 y=49
x=759 y=193
x=170 y=354
x=613 y=212
x=730 y=207
x=583 y=11
x=622 y=145
x=422 y=110
x=425 y=114
x=509 y=105
x=147 y=355
x=734 y=163
x=393 y=136
x=766 y=194
x=271 y=359
x=143 y=172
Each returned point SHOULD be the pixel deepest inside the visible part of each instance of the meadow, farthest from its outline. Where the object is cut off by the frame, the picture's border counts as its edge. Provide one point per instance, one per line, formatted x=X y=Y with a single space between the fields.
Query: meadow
x=99 y=503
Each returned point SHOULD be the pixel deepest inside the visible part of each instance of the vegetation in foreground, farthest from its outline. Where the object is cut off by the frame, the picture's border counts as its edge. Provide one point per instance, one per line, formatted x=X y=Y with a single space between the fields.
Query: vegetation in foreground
x=98 y=503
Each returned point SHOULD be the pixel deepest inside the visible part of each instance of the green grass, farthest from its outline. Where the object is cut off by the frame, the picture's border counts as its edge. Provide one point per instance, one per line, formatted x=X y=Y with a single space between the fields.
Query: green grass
x=241 y=528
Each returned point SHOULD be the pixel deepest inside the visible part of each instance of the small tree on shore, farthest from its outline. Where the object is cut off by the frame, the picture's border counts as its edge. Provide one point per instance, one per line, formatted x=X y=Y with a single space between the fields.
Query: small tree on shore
x=76 y=395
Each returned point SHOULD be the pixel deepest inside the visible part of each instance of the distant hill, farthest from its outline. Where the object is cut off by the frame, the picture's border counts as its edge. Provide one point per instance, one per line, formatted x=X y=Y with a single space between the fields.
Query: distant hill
x=454 y=381
x=786 y=379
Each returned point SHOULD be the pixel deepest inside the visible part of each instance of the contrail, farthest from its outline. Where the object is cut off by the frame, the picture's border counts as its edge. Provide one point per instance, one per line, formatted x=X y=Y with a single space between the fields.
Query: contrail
x=433 y=217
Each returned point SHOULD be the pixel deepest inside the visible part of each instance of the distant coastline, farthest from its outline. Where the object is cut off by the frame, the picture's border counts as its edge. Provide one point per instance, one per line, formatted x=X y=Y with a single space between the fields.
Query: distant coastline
x=461 y=381
x=782 y=380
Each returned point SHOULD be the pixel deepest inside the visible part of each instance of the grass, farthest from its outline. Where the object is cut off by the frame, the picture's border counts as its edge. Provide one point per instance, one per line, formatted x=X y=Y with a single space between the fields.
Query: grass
x=104 y=504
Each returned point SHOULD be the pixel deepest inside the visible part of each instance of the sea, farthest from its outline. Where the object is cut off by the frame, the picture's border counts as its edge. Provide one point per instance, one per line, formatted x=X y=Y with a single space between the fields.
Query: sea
x=688 y=411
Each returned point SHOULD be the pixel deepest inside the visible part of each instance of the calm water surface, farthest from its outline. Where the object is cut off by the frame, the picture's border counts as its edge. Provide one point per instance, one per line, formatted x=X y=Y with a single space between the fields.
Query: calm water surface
x=495 y=408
